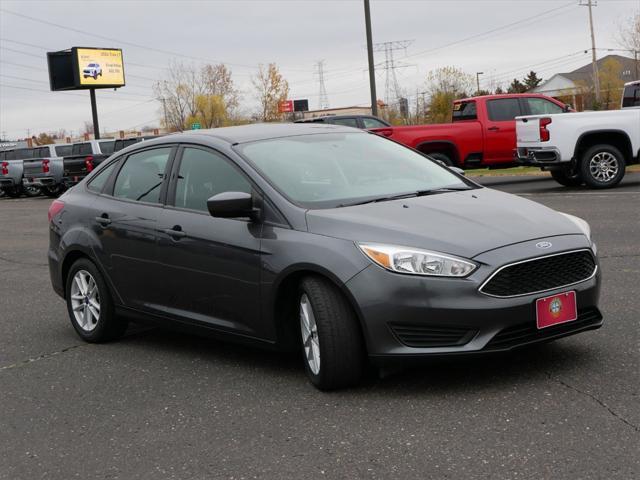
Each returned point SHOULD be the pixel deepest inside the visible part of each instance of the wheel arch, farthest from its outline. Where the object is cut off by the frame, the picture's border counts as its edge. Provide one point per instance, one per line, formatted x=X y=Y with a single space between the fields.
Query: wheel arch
x=616 y=138
x=282 y=305
x=440 y=146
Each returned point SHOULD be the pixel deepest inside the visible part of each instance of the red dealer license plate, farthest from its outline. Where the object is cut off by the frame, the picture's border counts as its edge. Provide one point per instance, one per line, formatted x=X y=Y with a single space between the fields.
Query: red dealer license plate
x=556 y=309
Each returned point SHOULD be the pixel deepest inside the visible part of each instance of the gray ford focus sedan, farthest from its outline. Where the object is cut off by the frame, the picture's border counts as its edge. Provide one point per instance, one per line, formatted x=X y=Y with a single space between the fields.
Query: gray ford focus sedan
x=329 y=240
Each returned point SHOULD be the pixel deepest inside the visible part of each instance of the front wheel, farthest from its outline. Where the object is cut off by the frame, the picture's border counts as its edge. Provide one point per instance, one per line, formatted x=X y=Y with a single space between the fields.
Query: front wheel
x=334 y=354
x=602 y=166
x=90 y=306
x=566 y=177
x=443 y=158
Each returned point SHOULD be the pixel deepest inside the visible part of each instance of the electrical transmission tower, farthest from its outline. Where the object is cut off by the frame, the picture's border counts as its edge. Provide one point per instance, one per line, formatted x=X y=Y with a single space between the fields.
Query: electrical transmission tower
x=323 y=98
x=392 y=87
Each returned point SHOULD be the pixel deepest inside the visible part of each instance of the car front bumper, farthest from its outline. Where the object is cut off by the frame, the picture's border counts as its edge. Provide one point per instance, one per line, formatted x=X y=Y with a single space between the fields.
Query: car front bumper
x=407 y=316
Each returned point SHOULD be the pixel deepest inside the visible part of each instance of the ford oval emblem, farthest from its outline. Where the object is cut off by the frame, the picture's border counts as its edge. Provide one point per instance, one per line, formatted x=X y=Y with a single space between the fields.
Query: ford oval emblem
x=544 y=244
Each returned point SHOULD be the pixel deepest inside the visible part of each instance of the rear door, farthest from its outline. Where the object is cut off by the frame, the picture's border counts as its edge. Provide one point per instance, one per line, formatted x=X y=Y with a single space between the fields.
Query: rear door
x=500 y=129
x=125 y=220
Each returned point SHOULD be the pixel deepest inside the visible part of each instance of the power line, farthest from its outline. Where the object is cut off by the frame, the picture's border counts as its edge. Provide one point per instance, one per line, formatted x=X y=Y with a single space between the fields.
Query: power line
x=390 y=66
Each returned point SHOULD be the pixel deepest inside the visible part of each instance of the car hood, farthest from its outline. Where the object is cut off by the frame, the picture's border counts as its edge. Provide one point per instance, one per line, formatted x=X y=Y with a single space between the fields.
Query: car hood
x=459 y=223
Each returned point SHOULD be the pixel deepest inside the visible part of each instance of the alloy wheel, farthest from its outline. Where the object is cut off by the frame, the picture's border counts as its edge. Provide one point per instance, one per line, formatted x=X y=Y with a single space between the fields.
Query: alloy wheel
x=85 y=300
x=309 y=329
x=604 y=167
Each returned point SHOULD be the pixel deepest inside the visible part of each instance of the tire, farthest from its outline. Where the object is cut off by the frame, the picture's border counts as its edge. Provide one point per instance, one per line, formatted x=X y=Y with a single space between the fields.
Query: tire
x=95 y=76
x=336 y=337
x=443 y=157
x=565 y=177
x=90 y=305
x=32 y=191
x=12 y=192
x=602 y=166
x=52 y=192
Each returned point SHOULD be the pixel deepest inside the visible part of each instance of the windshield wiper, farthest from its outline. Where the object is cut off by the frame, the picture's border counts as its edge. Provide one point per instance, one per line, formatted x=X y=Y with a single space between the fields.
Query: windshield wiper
x=418 y=193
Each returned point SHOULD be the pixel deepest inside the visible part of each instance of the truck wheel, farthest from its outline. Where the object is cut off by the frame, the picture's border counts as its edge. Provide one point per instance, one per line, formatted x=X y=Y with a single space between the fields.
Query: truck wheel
x=31 y=191
x=443 y=157
x=332 y=345
x=53 y=192
x=13 y=192
x=602 y=166
x=566 y=177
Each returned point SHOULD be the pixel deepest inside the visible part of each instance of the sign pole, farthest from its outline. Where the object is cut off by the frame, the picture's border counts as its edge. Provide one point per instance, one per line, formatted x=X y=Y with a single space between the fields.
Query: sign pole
x=94 y=113
x=372 y=71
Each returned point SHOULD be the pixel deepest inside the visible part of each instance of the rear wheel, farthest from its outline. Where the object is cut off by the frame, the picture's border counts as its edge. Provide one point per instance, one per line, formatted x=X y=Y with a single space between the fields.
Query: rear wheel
x=567 y=177
x=334 y=354
x=53 y=192
x=90 y=306
x=13 y=192
x=602 y=166
x=31 y=191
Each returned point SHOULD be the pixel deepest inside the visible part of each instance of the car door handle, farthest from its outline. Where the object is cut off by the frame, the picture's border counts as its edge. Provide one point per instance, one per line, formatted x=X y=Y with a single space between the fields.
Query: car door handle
x=175 y=232
x=493 y=129
x=103 y=220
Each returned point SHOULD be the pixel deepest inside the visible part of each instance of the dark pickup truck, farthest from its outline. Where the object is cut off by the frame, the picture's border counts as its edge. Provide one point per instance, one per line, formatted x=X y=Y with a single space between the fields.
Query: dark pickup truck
x=85 y=156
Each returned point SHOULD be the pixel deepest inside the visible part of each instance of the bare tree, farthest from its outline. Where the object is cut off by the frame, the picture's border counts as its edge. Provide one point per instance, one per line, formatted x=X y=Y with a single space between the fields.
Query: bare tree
x=272 y=88
x=629 y=36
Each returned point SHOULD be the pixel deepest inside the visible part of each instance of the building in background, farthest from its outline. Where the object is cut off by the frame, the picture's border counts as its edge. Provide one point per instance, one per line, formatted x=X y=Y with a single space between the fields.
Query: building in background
x=576 y=87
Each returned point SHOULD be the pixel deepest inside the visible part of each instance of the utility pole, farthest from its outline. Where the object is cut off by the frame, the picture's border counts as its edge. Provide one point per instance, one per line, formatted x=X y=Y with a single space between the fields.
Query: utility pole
x=164 y=108
x=478 y=81
x=372 y=70
x=323 y=98
x=594 y=64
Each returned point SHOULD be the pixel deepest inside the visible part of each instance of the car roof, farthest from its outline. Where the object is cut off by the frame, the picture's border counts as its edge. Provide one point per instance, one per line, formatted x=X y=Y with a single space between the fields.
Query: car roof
x=265 y=131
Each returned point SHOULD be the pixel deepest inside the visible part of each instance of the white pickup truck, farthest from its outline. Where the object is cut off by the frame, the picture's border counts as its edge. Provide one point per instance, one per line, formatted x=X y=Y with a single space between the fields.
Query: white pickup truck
x=593 y=148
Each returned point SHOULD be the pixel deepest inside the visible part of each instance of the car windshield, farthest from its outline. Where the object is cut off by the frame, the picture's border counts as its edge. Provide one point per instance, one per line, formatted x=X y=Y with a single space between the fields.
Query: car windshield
x=341 y=169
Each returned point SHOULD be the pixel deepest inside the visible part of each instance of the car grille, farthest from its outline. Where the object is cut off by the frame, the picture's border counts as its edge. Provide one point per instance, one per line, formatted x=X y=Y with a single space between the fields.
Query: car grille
x=428 y=336
x=540 y=274
x=528 y=332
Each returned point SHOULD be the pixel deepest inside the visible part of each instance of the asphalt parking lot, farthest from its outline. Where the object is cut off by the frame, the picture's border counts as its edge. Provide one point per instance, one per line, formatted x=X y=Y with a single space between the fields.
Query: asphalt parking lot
x=163 y=405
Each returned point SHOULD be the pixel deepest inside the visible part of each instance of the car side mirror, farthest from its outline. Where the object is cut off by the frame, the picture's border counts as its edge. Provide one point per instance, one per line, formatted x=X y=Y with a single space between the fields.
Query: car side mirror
x=232 y=205
x=567 y=108
x=459 y=171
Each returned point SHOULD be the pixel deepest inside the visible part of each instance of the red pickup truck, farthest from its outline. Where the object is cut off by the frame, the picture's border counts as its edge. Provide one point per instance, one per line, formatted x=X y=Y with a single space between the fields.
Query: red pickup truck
x=482 y=132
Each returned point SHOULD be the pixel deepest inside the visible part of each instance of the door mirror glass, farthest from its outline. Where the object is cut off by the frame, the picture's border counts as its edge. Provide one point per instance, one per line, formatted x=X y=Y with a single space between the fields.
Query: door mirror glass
x=231 y=205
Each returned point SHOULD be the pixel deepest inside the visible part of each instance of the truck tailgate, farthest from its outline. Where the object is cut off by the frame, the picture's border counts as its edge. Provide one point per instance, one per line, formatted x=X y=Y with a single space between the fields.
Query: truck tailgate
x=32 y=166
x=528 y=130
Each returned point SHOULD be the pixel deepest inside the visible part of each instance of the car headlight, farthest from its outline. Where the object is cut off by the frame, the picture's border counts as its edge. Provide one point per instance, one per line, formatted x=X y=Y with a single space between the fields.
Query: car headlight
x=416 y=261
x=580 y=223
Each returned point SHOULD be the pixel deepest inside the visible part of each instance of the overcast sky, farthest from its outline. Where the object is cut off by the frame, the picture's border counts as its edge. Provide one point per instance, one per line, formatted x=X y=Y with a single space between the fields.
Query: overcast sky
x=503 y=39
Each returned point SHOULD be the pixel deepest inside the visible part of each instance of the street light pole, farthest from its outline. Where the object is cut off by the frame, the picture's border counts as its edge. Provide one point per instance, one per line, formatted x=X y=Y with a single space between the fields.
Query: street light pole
x=372 y=71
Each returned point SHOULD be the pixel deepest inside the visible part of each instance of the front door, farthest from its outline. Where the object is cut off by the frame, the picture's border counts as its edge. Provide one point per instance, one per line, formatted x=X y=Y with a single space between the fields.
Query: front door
x=500 y=130
x=210 y=266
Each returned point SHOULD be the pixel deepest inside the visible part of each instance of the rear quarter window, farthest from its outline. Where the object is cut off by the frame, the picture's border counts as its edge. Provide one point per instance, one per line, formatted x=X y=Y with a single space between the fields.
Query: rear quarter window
x=63 y=150
x=82 y=149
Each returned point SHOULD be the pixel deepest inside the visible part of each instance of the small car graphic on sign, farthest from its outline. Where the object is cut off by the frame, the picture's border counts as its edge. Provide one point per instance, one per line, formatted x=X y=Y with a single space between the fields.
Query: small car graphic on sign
x=92 y=70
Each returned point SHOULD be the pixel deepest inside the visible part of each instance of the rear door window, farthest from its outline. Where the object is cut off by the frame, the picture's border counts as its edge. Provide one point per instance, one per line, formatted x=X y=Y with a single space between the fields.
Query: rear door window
x=98 y=182
x=142 y=175
x=106 y=147
x=503 y=109
x=347 y=122
x=369 y=122
x=465 y=111
x=82 y=149
x=23 y=153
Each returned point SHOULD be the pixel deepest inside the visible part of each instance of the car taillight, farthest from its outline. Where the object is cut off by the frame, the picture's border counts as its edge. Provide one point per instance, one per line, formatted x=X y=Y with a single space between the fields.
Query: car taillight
x=55 y=208
x=89 y=163
x=45 y=166
x=4 y=168
x=544 y=133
